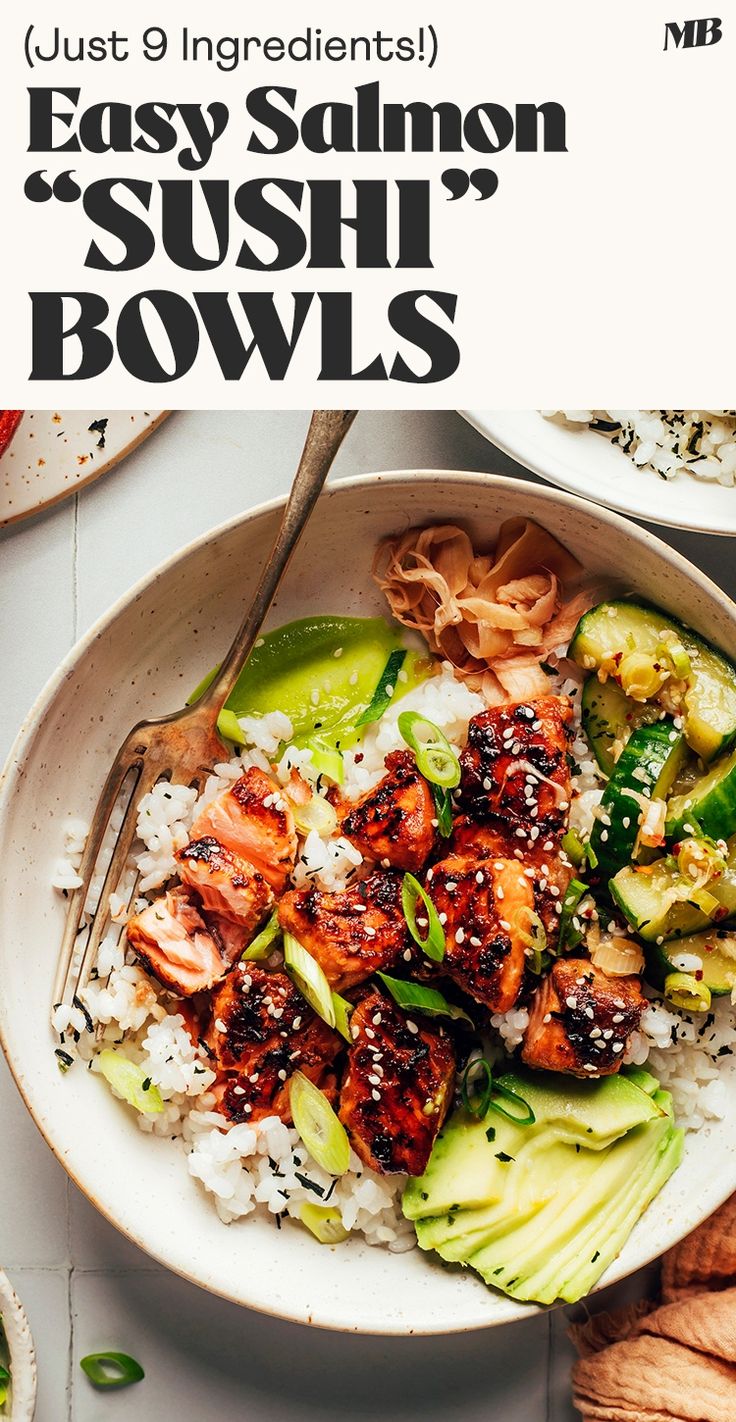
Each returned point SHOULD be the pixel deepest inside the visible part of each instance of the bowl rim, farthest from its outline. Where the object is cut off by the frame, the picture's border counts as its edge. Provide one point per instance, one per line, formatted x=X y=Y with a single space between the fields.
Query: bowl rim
x=561 y=479
x=548 y=494
x=22 y=1352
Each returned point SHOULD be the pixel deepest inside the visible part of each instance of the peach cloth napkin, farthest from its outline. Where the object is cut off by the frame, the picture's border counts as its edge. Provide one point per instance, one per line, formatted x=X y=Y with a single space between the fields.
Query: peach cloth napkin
x=674 y=1361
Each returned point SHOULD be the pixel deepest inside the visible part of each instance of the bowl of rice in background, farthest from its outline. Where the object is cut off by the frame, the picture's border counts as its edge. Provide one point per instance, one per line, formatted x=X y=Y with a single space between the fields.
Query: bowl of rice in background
x=16 y=1344
x=674 y=467
x=142 y=659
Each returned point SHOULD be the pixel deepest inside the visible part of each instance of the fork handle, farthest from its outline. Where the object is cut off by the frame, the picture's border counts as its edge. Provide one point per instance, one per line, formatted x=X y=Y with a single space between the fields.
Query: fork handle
x=327 y=430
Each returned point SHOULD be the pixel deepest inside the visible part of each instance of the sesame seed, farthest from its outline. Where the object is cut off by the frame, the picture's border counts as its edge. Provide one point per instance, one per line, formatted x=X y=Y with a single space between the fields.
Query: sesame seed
x=589 y=1013
x=297 y=1023
x=337 y=652
x=370 y=1034
x=571 y=1002
x=353 y=678
x=374 y=1080
x=407 y=955
x=617 y=1017
x=547 y=1017
x=282 y=1074
x=411 y=1025
x=370 y=932
x=238 y=1091
x=314 y=696
x=220 y=1025
x=460 y=935
x=479 y=877
x=499 y=892
x=618 y=1046
x=376 y=1094
x=376 y=1019
x=442 y=918
x=477 y=942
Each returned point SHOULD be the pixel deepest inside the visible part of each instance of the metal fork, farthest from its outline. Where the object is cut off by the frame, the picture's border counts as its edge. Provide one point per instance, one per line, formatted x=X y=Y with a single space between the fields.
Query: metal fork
x=183 y=746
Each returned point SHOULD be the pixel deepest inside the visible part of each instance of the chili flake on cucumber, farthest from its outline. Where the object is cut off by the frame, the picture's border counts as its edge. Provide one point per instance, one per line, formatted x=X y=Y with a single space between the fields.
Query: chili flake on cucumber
x=652 y=658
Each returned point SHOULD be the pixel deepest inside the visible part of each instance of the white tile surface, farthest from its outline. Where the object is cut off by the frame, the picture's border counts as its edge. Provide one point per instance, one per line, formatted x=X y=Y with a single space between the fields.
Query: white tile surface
x=205 y=1358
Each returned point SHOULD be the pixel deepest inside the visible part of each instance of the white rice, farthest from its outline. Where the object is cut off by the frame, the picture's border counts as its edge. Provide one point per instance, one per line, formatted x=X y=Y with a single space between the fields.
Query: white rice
x=667 y=442
x=256 y=1168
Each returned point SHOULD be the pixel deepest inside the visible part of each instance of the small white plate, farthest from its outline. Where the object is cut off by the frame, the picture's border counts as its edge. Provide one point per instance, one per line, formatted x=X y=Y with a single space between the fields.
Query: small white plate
x=53 y=454
x=584 y=462
x=22 y=1365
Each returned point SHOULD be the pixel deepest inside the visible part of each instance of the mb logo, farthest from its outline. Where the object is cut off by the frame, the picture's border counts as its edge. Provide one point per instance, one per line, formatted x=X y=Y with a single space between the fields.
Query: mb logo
x=692 y=34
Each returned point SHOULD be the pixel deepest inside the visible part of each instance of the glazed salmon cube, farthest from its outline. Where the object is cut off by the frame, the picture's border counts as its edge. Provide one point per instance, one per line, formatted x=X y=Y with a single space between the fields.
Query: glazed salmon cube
x=581 y=1021
x=252 y=819
x=175 y=942
x=353 y=933
x=515 y=768
x=398 y=1086
x=395 y=822
x=226 y=884
x=260 y=1031
x=484 y=906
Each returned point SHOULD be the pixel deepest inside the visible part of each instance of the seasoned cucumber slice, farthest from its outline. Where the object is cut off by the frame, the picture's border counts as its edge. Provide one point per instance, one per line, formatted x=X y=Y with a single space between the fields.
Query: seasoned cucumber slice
x=643 y=650
x=609 y=717
x=646 y=897
x=648 y=764
x=715 y=949
x=709 y=806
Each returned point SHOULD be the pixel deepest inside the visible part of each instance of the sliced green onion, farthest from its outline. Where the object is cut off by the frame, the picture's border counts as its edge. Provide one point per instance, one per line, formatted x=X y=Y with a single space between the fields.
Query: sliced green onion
x=262 y=945
x=573 y=846
x=318 y=814
x=327 y=760
x=130 y=1081
x=435 y=757
x=423 y=999
x=322 y=1132
x=670 y=649
x=384 y=692
x=433 y=941
x=306 y=974
x=525 y=1116
x=590 y=854
x=706 y=902
x=342 y=1009
x=111 y=1369
x=324 y=1222
x=477 y=1104
x=570 y=936
x=480 y=1103
x=229 y=727
x=443 y=810
x=683 y=990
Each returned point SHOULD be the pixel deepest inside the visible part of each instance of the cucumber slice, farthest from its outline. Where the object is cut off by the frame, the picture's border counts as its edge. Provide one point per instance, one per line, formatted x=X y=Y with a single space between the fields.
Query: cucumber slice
x=716 y=949
x=613 y=630
x=609 y=717
x=648 y=764
x=643 y=895
x=709 y=806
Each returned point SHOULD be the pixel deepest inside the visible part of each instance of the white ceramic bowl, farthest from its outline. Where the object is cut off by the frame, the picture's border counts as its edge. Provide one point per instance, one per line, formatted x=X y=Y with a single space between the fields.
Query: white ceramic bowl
x=142 y=658
x=22 y=1364
x=583 y=462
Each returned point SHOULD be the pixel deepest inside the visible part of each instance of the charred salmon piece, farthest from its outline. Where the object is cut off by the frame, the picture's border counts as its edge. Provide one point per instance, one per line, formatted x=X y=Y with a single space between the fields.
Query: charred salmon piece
x=542 y=862
x=484 y=906
x=396 y=822
x=226 y=884
x=173 y=940
x=252 y=819
x=260 y=1031
x=515 y=767
x=581 y=1020
x=353 y=933
x=398 y=1085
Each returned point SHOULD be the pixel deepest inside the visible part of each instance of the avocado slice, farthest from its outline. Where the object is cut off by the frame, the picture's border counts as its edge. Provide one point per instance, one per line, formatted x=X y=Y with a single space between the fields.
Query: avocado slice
x=565 y=1191
x=465 y=1170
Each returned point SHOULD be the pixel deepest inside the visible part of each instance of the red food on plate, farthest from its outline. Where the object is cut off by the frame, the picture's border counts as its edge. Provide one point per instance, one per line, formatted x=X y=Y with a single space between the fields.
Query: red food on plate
x=9 y=421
